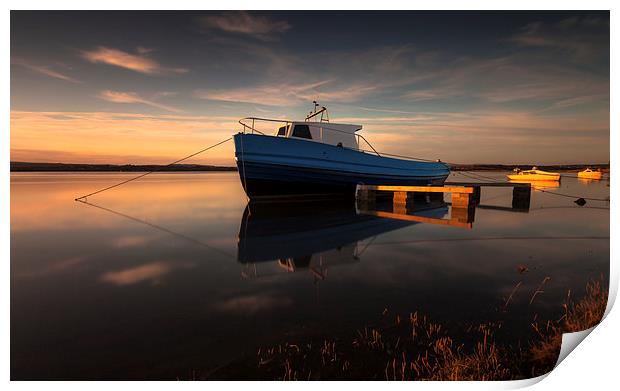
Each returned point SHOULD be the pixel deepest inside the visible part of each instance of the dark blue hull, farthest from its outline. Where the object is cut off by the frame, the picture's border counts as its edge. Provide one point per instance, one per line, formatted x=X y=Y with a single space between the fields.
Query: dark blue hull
x=284 y=167
x=265 y=180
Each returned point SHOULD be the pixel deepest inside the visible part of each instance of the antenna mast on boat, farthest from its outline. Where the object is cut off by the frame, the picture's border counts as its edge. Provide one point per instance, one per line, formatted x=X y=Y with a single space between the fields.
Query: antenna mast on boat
x=316 y=111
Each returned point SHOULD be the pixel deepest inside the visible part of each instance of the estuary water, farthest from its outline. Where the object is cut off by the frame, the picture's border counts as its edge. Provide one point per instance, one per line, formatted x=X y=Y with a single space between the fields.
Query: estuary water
x=175 y=274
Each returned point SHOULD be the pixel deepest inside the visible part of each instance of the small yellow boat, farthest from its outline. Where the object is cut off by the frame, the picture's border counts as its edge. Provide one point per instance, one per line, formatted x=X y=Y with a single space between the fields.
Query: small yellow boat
x=534 y=175
x=589 y=174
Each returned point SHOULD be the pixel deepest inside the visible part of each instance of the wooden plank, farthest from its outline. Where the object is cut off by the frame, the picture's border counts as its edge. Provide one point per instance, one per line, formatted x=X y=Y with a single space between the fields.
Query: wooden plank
x=419 y=219
x=420 y=189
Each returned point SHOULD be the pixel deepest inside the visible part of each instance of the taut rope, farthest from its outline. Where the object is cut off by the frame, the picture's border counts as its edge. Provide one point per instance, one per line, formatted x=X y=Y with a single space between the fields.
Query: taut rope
x=150 y=172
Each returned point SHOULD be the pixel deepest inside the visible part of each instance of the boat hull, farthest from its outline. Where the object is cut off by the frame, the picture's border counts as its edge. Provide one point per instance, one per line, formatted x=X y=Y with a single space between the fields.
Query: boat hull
x=590 y=175
x=534 y=177
x=272 y=167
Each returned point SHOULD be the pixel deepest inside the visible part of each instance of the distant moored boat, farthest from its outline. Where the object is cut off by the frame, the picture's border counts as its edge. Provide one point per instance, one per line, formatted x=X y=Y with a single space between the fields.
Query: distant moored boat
x=534 y=175
x=590 y=174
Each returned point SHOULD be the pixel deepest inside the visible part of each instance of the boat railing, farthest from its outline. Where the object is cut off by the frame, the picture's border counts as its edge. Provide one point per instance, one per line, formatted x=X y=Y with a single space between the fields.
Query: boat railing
x=252 y=128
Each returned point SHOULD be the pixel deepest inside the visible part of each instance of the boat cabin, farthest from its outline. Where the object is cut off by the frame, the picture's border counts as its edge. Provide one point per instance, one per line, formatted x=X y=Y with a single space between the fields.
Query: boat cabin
x=324 y=132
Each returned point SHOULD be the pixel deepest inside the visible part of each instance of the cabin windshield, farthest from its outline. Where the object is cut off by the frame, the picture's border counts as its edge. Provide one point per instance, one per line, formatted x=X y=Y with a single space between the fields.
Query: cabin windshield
x=302 y=131
x=282 y=131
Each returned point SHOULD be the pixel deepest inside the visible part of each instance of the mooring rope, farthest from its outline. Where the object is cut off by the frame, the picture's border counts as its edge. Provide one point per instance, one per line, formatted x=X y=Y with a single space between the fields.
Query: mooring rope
x=572 y=196
x=478 y=176
x=150 y=172
x=159 y=227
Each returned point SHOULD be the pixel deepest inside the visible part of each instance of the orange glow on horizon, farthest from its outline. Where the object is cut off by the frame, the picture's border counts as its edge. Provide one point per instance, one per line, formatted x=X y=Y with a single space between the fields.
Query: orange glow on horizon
x=118 y=138
x=131 y=138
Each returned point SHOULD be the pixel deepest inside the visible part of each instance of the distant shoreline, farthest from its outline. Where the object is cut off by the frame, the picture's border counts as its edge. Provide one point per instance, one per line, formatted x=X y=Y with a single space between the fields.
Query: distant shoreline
x=66 y=167
x=73 y=167
x=510 y=167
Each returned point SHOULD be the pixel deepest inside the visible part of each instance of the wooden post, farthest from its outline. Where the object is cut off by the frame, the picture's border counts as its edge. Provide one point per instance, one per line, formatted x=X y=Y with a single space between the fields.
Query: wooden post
x=463 y=215
x=403 y=197
x=460 y=200
x=400 y=209
x=476 y=195
x=365 y=194
x=402 y=201
x=367 y=199
x=521 y=197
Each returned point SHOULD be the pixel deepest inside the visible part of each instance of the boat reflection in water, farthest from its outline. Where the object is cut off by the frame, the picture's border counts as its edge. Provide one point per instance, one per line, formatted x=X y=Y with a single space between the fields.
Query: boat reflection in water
x=312 y=236
x=587 y=181
x=539 y=185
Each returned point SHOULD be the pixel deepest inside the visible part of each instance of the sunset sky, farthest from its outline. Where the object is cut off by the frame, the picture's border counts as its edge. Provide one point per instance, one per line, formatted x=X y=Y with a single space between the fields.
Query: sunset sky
x=466 y=87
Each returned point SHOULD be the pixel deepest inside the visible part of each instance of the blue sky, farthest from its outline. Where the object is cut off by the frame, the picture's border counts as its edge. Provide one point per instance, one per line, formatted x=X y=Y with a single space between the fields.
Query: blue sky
x=469 y=87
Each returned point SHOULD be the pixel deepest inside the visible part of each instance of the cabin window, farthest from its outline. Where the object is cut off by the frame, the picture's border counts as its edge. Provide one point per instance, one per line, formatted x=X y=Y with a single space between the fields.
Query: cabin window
x=302 y=131
x=282 y=131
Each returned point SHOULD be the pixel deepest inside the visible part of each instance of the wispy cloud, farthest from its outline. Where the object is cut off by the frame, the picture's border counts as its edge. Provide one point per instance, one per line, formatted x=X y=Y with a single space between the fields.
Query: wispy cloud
x=44 y=70
x=380 y=110
x=143 y=50
x=289 y=94
x=166 y=94
x=281 y=78
x=138 y=62
x=579 y=100
x=509 y=80
x=407 y=76
x=582 y=37
x=132 y=97
x=241 y=22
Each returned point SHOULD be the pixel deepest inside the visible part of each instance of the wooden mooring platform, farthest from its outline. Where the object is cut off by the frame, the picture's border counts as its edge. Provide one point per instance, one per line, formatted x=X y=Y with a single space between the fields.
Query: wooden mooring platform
x=463 y=193
x=465 y=198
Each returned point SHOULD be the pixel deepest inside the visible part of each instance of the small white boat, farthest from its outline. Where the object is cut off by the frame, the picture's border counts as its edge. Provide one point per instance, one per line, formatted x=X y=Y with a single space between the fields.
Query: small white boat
x=534 y=175
x=318 y=157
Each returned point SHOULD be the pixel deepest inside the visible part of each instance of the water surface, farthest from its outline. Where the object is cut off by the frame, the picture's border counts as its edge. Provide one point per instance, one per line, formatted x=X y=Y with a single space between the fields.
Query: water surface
x=173 y=273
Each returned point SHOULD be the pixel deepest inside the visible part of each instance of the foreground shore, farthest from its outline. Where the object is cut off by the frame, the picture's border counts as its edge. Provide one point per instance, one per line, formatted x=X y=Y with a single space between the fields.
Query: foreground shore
x=413 y=347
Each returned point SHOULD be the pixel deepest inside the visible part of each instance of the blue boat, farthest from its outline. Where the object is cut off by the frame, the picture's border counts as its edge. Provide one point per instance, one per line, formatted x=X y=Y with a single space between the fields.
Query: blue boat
x=320 y=158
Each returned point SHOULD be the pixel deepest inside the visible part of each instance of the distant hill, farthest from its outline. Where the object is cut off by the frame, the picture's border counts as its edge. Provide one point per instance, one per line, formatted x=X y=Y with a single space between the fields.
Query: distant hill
x=28 y=166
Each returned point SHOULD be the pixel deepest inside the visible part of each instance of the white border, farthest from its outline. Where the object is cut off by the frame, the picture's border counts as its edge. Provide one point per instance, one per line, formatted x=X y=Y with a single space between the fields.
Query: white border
x=591 y=366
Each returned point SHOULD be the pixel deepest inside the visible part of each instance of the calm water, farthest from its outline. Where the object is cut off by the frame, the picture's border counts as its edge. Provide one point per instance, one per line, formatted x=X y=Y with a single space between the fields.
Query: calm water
x=172 y=274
